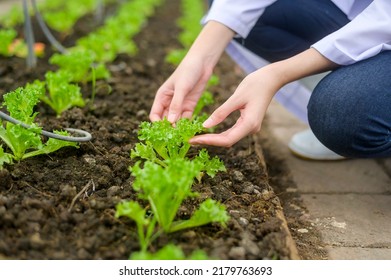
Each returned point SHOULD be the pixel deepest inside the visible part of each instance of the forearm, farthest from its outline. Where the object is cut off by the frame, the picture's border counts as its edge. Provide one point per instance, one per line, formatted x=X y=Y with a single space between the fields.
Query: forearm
x=305 y=64
x=211 y=43
x=254 y=94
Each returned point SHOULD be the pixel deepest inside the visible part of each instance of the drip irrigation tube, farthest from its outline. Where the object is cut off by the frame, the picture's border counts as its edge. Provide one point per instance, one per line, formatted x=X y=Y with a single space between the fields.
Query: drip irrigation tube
x=31 y=57
x=85 y=136
x=46 y=30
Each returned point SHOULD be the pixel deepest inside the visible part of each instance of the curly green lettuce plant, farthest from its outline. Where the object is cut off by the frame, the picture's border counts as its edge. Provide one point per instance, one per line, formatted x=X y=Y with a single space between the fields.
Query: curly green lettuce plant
x=163 y=141
x=165 y=178
x=165 y=189
x=4 y=158
x=169 y=252
x=80 y=64
x=146 y=233
x=189 y=22
x=62 y=94
x=7 y=36
x=26 y=142
x=116 y=35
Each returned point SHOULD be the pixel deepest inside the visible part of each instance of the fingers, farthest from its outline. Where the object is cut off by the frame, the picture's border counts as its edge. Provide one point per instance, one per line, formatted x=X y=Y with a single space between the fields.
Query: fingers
x=184 y=100
x=241 y=129
x=221 y=113
x=249 y=122
x=160 y=104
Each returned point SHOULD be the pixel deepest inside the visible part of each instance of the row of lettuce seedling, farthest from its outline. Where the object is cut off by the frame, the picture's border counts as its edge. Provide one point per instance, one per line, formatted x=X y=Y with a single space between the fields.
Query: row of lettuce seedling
x=60 y=89
x=164 y=175
x=59 y=15
x=165 y=172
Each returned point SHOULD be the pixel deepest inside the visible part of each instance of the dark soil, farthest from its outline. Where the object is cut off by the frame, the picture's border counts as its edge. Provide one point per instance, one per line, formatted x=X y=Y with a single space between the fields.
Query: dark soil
x=62 y=206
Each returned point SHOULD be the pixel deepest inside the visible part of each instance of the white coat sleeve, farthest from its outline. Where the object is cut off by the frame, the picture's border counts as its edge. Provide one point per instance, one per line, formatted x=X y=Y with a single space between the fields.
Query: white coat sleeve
x=365 y=36
x=238 y=15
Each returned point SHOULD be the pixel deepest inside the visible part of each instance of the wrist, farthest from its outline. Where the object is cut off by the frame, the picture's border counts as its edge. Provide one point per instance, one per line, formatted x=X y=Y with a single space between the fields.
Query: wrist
x=307 y=63
x=211 y=43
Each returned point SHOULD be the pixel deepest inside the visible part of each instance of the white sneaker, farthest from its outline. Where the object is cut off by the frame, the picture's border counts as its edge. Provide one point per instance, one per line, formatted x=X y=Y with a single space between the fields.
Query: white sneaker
x=305 y=145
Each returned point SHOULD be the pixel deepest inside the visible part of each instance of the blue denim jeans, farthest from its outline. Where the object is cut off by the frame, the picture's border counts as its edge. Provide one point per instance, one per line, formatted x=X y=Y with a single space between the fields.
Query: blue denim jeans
x=288 y=27
x=350 y=109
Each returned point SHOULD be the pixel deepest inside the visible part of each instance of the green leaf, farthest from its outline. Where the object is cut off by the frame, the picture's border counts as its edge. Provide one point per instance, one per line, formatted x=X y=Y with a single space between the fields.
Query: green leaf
x=6 y=38
x=165 y=188
x=132 y=210
x=27 y=142
x=205 y=100
x=62 y=94
x=169 y=252
x=145 y=226
x=20 y=139
x=210 y=166
x=146 y=151
x=213 y=81
x=208 y=212
x=79 y=62
x=52 y=145
x=175 y=56
x=20 y=103
x=4 y=158
x=169 y=141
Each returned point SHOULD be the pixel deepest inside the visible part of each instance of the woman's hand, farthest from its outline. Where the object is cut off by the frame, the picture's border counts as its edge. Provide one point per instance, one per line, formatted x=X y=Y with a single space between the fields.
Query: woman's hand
x=254 y=94
x=251 y=98
x=178 y=96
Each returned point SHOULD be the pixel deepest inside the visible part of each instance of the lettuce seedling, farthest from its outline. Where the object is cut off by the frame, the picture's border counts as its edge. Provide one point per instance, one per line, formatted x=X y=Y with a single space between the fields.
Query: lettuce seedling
x=100 y=45
x=169 y=252
x=205 y=100
x=26 y=142
x=62 y=15
x=4 y=158
x=164 y=141
x=146 y=234
x=145 y=225
x=176 y=56
x=12 y=18
x=79 y=64
x=209 y=211
x=7 y=36
x=62 y=94
x=165 y=188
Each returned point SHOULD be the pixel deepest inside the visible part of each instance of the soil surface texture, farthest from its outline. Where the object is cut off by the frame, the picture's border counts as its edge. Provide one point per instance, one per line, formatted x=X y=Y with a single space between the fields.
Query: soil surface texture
x=62 y=205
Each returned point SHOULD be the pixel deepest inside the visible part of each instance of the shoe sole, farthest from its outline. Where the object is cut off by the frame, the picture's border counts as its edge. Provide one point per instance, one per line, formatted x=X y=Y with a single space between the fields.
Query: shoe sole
x=293 y=150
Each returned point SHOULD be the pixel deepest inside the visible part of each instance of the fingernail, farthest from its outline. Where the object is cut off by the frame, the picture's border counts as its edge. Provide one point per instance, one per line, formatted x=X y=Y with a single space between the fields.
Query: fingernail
x=208 y=123
x=194 y=143
x=171 y=117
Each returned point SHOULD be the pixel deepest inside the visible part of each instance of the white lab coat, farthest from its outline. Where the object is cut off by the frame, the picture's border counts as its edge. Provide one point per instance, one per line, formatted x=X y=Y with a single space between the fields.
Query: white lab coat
x=368 y=33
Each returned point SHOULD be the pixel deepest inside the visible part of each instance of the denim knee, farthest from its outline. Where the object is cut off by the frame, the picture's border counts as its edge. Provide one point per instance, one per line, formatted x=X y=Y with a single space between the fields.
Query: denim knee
x=349 y=113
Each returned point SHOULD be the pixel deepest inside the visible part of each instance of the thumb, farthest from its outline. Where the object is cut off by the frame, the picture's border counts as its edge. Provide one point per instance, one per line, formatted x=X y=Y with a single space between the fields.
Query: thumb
x=221 y=113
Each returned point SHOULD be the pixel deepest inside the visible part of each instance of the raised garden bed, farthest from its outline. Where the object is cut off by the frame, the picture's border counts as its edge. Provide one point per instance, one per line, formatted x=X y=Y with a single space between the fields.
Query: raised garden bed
x=62 y=205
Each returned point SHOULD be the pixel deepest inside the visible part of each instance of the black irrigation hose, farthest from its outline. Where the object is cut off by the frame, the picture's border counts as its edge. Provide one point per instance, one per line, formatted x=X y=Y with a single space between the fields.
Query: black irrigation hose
x=86 y=136
x=32 y=61
x=46 y=30
x=99 y=11
x=31 y=57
